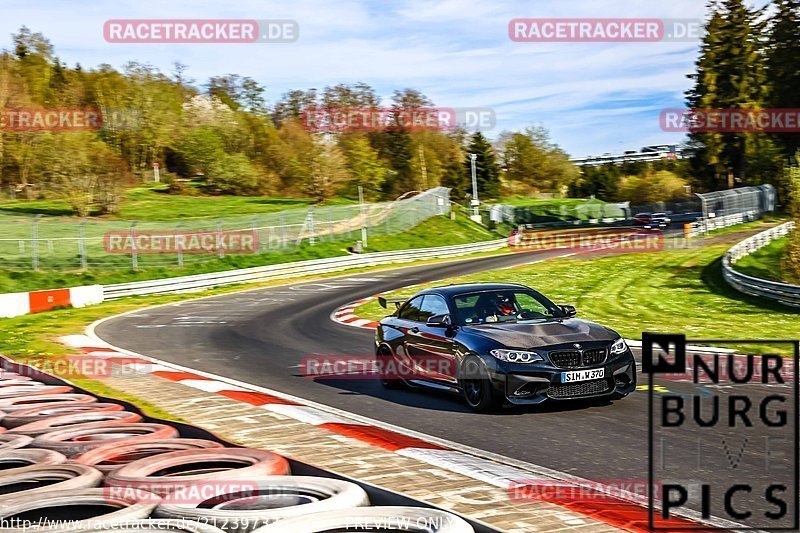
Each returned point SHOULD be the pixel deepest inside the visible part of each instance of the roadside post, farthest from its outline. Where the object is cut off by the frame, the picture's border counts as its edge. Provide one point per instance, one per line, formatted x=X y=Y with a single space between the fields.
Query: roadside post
x=476 y=216
x=35 y=237
x=363 y=216
x=82 y=244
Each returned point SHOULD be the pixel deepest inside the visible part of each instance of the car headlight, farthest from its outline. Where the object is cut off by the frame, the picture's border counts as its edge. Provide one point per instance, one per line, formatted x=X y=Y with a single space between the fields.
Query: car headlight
x=516 y=356
x=619 y=346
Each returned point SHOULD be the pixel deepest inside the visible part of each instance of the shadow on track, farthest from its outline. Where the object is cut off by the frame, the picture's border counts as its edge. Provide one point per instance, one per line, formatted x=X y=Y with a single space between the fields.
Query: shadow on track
x=428 y=398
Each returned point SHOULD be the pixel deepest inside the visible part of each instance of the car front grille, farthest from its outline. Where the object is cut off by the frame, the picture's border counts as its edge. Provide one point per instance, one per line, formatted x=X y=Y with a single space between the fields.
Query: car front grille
x=577 y=358
x=577 y=390
x=594 y=356
x=566 y=358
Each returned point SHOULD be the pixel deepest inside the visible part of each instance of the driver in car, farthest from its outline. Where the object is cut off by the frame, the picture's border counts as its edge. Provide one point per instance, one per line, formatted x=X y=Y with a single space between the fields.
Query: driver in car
x=499 y=305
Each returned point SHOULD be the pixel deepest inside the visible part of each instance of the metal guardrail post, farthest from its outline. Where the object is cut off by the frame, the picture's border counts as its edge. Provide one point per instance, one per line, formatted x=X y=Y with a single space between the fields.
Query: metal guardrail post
x=134 y=251
x=256 y=234
x=82 y=245
x=220 y=251
x=179 y=244
x=35 y=237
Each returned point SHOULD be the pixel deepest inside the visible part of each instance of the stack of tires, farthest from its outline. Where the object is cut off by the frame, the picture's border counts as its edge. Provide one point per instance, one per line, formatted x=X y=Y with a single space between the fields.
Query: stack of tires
x=69 y=462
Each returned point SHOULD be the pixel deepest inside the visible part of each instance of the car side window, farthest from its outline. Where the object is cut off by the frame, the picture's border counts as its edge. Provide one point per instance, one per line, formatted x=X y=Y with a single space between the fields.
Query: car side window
x=410 y=310
x=432 y=304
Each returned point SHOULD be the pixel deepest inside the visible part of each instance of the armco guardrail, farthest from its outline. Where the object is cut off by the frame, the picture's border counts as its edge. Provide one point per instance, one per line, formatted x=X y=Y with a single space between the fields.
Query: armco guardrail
x=22 y=303
x=784 y=293
x=314 y=266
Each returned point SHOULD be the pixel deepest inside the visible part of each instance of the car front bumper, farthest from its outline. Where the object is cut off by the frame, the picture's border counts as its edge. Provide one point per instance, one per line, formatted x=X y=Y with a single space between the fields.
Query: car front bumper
x=522 y=384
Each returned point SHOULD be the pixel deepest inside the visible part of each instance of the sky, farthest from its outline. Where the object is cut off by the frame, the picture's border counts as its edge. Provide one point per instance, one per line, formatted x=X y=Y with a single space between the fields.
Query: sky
x=592 y=97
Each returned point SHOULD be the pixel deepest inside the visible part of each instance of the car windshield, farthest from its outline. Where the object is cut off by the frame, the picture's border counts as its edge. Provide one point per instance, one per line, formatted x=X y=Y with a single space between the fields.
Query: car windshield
x=506 y=305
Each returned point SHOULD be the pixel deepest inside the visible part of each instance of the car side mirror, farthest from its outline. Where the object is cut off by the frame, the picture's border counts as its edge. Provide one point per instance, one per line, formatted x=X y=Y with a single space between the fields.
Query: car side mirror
x=568 y=310
x=440 y=321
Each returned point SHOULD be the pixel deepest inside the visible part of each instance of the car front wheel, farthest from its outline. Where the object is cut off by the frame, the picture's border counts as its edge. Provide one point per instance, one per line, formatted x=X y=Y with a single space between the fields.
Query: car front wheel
x=476 y=386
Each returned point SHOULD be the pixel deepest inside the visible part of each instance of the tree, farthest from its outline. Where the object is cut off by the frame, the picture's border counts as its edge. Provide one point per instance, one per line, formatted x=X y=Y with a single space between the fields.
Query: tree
x=238 y=92
x=730 y=75
x=82 y=169
x=486 y=171
x=790 y=262
x=179 y=73
x=201 y=148
x=782 y=60
x=397 y=148
x=655 y=186
x=602 y=182
x=329 y=171
x=293 y=104
x=234 y=174
x=365 y=168
x=529 y=157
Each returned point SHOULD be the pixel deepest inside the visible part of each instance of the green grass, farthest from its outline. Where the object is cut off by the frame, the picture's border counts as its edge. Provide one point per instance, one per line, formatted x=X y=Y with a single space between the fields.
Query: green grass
x=530 y=201
x=764 y=263
x=436 y=231
x=552 y=209
x=152 y=203
x=679 y=291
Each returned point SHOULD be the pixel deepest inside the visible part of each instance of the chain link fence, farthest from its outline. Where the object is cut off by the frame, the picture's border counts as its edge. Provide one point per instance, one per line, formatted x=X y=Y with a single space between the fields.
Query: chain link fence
x=549 y=214
x=721 y=209
x=63 y=243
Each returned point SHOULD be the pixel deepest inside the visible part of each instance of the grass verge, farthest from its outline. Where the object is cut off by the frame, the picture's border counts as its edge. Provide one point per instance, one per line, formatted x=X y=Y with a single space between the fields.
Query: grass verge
x=764 y=263
x=153 y=202
x=670 y=291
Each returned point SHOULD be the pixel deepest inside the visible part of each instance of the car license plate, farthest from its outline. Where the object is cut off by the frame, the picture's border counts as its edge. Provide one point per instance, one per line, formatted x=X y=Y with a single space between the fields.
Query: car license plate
x=583 y=375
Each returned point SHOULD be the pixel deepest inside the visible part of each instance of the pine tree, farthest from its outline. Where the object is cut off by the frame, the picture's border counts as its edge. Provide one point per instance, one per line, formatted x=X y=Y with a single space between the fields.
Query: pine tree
x=730 y=75
x=486 y=171
x=706 y=146
x=783 y=66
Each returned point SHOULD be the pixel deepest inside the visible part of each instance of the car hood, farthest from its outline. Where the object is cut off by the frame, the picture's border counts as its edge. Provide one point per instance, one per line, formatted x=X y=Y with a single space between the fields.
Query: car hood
x=539 y=334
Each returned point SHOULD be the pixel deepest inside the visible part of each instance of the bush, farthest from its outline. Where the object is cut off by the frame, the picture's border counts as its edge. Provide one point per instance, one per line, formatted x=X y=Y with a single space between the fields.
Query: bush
x=790 y=263
x=234 y=174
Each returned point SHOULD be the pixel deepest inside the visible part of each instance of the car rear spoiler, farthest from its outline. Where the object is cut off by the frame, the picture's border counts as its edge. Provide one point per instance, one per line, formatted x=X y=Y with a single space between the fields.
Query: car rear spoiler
x=386 y=301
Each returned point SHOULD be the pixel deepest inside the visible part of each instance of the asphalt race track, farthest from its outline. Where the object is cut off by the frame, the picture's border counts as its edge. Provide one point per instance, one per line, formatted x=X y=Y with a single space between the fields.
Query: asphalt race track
x=260 y=337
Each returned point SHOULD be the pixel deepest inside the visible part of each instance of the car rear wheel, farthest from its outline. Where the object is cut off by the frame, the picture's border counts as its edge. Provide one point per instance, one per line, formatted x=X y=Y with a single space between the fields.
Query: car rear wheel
x=386 y=360
x=476 y=386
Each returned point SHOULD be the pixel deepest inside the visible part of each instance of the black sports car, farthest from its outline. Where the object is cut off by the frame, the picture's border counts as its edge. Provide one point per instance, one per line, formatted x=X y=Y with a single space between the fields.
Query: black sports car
x=497 y=343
